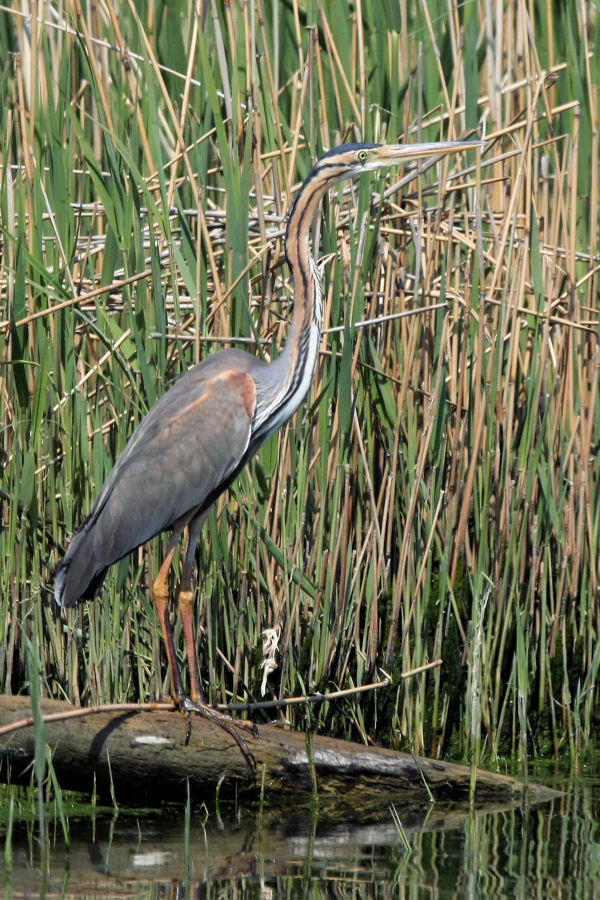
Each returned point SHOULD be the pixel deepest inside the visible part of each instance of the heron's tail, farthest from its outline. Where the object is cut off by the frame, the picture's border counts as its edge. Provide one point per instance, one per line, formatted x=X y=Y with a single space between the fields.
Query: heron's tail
x=80 y=575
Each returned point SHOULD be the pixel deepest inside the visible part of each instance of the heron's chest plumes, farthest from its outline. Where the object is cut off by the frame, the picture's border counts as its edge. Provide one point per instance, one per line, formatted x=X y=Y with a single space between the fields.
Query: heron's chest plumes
x=289 y=377
x=304 y=346
x=287 y=380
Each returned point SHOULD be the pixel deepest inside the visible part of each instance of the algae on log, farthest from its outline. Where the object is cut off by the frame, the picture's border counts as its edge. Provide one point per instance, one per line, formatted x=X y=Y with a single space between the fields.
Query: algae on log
x=143 y=755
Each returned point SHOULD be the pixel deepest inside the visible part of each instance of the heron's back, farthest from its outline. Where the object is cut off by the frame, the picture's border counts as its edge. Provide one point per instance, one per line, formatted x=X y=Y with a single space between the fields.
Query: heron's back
x=183 y=454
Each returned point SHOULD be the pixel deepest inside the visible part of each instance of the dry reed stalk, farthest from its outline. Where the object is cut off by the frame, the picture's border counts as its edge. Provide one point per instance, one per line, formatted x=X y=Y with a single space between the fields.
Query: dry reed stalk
x=447 y=447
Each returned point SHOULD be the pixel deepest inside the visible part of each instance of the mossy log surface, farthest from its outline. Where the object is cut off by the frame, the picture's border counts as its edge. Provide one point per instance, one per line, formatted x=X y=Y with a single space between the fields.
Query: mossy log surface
x=142 y=753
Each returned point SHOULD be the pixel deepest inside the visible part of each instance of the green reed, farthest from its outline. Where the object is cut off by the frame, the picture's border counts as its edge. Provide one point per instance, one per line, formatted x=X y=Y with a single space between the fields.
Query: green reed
x=443 y=458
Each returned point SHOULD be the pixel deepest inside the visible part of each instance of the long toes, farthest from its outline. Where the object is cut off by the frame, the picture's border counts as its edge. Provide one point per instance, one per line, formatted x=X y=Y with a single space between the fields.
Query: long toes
x=227 y=723
x=210 y=712
x=250 y=759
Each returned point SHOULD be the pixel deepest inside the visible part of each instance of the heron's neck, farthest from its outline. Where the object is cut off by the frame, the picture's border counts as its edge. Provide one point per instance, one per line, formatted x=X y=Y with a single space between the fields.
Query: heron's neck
x=299 y=355
x=294 y=369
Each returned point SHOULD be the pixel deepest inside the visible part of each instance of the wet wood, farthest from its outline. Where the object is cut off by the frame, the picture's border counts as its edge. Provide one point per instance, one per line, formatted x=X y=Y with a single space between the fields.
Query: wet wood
x=143 y=755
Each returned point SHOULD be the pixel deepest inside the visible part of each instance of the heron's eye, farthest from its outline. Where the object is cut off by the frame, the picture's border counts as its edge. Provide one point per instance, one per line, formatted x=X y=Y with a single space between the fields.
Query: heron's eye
x=362 y=155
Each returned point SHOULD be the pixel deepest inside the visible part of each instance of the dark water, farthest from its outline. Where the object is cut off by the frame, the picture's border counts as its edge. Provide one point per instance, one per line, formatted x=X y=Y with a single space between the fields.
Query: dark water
x=542 y=851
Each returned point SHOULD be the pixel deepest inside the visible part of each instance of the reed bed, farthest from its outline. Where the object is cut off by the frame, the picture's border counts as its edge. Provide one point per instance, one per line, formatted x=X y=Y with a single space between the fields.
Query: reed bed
x=436 y=498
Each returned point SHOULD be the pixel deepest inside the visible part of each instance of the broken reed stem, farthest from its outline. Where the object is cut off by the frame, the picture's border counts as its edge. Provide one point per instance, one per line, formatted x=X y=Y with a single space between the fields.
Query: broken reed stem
x=235 y=707
x=471 y=392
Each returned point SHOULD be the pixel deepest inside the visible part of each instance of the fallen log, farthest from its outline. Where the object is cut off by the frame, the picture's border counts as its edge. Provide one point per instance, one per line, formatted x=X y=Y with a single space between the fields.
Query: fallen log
x=139 y=754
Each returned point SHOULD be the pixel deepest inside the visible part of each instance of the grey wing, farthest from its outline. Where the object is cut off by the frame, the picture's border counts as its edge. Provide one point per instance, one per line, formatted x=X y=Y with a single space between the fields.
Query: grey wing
x=180 y=458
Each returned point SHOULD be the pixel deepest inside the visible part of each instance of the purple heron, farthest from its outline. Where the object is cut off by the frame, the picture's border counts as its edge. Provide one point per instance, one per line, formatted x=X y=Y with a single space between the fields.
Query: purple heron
x=194 y=442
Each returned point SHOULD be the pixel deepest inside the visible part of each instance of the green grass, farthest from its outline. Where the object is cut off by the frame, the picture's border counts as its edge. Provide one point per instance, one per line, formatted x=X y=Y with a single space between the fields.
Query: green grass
x=437 y=495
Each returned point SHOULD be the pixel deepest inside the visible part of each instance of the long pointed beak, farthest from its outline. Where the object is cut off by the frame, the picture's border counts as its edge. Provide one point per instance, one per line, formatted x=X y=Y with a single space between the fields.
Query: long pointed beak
x=388 y=154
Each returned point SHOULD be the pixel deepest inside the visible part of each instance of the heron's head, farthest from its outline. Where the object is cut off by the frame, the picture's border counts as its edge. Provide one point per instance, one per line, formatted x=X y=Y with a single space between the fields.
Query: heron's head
x=349 y=160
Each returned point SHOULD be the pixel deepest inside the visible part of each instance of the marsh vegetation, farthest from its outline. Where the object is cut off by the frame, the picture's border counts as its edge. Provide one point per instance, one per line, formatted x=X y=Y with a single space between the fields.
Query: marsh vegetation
x=437 y=496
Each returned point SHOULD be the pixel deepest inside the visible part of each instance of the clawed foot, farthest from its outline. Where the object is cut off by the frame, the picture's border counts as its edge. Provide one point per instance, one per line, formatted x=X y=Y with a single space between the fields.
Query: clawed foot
x=228 y=723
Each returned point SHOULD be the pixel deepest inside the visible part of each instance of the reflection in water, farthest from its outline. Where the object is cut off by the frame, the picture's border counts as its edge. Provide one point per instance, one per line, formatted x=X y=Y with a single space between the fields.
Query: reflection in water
x=548 y=850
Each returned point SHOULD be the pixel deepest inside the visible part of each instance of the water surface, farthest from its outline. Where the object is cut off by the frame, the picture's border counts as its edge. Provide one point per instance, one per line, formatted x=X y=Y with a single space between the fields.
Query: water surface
x=546 y=850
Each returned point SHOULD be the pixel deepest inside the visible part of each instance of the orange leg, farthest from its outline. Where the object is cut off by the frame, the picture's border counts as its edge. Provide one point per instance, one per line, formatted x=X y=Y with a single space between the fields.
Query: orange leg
x=160 y=590
x=185 y=603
